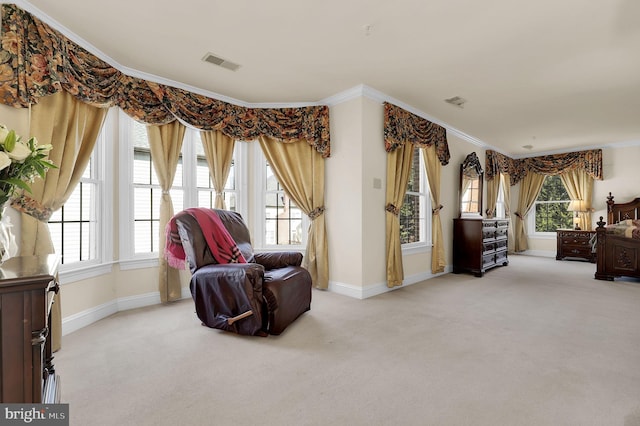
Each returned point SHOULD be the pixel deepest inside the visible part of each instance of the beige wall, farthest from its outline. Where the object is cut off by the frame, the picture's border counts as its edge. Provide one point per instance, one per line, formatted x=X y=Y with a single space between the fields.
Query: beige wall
x=344 y=211
x=374 y=171
x=357 y=233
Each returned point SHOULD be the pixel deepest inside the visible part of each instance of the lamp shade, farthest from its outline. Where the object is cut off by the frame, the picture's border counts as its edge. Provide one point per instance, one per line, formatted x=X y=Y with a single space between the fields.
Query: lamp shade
x=577 y=206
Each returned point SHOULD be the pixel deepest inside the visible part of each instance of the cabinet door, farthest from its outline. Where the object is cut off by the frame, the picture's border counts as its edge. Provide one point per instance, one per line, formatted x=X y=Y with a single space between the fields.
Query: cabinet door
x=24 y=333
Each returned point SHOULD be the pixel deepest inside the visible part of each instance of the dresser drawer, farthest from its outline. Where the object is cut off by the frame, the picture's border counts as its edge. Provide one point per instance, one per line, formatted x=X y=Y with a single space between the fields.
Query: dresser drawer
x=489 y=224
x=488 y=260
x=489 y=248
x=501 y=245
x=502 y=223
x=569 y=240
x=576 y=251
x=501 y=234
x=488 y=234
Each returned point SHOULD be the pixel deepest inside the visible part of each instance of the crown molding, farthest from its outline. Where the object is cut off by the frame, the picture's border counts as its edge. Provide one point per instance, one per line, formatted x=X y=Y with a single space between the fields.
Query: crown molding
x=352 y=93
x=622 y=144
x=23 y=4
x=376 y=95
x=349 y=94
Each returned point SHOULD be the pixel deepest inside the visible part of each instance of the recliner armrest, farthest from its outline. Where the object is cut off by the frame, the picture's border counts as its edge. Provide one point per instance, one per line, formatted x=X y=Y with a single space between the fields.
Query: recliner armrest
x=224 y=292
x=221 y=269
x=280 y=259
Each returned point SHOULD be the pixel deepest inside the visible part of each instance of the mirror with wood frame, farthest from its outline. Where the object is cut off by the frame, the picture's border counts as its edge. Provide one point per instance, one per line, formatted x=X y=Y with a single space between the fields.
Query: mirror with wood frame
x=471 y=177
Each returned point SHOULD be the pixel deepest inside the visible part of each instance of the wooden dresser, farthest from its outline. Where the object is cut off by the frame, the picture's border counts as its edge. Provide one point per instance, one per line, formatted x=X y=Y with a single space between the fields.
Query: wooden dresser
x=479 y=245
x=28 y=287
x=574 y=244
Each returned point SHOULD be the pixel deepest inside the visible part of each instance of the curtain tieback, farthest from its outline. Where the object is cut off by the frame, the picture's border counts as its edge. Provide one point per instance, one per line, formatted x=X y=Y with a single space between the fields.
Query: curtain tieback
x=33 y=208
x=315 y=213
x=437 y=209
x=392 y=209
x=518 y=215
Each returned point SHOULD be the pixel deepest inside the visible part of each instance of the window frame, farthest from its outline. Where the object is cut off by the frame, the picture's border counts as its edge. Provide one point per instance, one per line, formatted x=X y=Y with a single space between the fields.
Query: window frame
x=102 y=161
x=500 y=212
x=531 y=219
x=426 y=228
x=191 y=178
x=260 y=182
x=129 y=259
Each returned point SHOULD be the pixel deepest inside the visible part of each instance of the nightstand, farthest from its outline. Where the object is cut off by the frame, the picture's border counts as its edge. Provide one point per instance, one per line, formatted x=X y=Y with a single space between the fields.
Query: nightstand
x=574 y=244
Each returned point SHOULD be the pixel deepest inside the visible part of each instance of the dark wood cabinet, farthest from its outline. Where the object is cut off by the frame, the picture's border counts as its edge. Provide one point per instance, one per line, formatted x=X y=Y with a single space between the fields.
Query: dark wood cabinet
x=575 y=244
x=479 y=245
x=28 y=287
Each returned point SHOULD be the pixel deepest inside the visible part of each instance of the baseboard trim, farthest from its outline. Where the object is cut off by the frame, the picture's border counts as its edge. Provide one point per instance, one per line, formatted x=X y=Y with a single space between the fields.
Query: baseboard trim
x=380 y=288
x=89 y=316
x=84 y=318
x=539 y=253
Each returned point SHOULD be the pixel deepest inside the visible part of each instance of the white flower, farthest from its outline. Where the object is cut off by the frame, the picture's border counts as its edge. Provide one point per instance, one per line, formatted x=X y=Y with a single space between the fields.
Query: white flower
x=19 y=152
x=43 y=148
x=5 y=161
x=3 y=133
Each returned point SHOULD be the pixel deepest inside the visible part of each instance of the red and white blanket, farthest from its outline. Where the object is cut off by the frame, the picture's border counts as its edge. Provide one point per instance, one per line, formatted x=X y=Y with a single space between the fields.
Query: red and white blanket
x=222 y=246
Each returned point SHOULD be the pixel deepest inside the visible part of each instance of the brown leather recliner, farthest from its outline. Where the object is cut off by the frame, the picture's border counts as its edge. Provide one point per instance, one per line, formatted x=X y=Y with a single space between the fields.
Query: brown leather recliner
x=260 y=297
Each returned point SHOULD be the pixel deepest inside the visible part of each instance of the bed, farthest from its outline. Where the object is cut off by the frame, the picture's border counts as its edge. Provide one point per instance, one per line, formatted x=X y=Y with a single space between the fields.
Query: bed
x=617 y=244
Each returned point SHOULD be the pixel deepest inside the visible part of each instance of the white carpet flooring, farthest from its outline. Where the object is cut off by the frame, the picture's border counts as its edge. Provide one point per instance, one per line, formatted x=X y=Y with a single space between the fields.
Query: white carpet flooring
x=539 y=342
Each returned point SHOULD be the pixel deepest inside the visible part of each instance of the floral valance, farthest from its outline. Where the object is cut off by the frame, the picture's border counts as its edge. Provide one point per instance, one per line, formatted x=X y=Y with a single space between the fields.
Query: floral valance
x=402 y=126
x=497 y=163
x=590 y=161
x=36 y=61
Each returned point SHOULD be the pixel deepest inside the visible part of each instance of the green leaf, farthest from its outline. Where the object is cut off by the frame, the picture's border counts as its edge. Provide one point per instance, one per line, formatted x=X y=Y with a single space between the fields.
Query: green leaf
x=41 y=170
x=10 y=141
x=17 y=182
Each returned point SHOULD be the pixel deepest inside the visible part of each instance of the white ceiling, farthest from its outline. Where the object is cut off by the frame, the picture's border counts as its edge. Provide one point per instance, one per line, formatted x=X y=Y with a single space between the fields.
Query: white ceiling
x=555 y=74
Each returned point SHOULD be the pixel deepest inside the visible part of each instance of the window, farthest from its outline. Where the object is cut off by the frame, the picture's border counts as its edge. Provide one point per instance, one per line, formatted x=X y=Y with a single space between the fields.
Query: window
x=283 y=219
x=550 y=209
x=80 y=229
x=204 y=183
x=500 y=208
x=140 y=210
x=73 y=227
x=147 y=193
x=416 y=208
x=280 y=222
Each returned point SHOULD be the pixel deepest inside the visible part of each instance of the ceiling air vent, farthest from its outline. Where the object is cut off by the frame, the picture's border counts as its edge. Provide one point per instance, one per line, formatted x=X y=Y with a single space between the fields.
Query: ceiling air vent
x=456 y=101
x=216 y=60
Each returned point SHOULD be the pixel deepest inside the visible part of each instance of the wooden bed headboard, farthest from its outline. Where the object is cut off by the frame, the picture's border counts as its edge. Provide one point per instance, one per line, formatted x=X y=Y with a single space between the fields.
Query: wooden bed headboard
x=617 y=212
